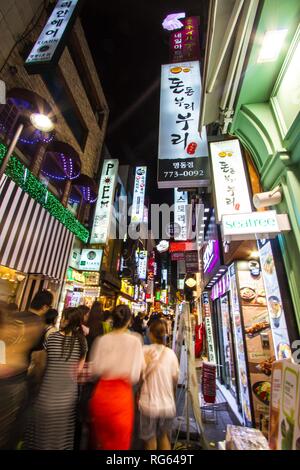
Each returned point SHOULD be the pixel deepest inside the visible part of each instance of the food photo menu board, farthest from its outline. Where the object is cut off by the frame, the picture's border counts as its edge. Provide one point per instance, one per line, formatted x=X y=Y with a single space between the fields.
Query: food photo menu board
x=258 y=338
x=274 y=301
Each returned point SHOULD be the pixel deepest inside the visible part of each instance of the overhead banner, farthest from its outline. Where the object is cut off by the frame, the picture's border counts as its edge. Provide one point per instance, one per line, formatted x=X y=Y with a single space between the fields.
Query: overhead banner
x=180 y=214
x=52 y=40
x=230 y=181
x=90 y=260
x=184 y=43
x=137 y=211
x=182 y=152
x=104 y=206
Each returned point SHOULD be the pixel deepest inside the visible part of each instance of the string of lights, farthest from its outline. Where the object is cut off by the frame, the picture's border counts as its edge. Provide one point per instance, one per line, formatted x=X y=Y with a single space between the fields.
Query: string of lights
x=32 y=186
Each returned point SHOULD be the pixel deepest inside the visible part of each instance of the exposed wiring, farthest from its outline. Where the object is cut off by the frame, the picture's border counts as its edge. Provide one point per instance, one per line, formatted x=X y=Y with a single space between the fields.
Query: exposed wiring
x=26 y=33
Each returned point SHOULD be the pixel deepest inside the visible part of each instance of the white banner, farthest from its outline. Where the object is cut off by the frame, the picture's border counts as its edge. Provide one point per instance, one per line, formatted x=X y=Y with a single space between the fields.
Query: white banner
x=180 y=214
x=230 y=182
x=137 y=214
x=90 y=260
x=142 y=259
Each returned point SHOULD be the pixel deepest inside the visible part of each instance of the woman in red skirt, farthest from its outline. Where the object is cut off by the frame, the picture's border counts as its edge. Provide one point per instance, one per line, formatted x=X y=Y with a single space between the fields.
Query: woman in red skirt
x=117 y=358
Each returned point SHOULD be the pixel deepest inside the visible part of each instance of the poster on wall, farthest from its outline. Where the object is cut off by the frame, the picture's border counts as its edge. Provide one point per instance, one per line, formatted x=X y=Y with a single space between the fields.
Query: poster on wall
x=229 y=176
x=52 y=40
x=259 y=340
x=137 y=210
x=240 y=348
x=104 y=205
x=182 y=152
x=274 y=301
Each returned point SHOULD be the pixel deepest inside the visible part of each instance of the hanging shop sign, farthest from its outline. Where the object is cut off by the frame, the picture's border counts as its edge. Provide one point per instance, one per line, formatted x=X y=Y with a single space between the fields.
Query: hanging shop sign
x=206 y=304
x=104 y=206
x=73 y=275
x=184 y=43
x=150 y=289
x=177 y=256
x=90 y=260
x=211 y=256
x=180 y=247
x=274 y=301
x=191 y=262
x=91 y=292
x=180 y=213
x=164 y=275
x=229 y=176
x=266 y=224
x=52 y=40
x=182 y=152
x=92 y=279
x=210 y=340
x=137 y=211
x=75 y=258
x=142 y=258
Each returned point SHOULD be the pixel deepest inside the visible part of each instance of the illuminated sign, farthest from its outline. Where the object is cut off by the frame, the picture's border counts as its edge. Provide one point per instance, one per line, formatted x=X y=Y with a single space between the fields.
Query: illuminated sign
x=191 y=262
x=256 y=225
x=92 y=279
x=211 y=255
x=90 y=260
x=180 y=213
x=172 y=22
x=179 y=247
x=162 y=246
x=182 y=152
x=75 y=258
x=230 y=182
x=210 y=340
x=104 y=206
x=73 y=275
x=184 y=44
x=49 y=46
x=137 y=211
x=142 y=264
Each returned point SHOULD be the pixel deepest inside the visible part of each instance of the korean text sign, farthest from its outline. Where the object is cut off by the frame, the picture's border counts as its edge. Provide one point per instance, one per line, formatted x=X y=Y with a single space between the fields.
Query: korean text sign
x=137 y=214
x=184 y=43
x=180 y=213
x=182 y=153
x=104 y=206
x=48 y=47
x=230 y=182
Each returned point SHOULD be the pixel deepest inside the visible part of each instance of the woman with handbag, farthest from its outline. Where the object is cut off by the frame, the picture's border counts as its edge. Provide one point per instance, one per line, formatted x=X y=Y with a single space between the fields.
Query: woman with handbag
x=157 y=394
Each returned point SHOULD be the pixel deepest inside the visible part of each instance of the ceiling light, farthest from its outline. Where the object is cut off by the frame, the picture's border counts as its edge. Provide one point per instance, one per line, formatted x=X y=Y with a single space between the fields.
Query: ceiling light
x=41 y=122
x=206 y=210
x=202 y=225
x=204 y=218
x=254 y=254
x=271 y=45
x=222 y=270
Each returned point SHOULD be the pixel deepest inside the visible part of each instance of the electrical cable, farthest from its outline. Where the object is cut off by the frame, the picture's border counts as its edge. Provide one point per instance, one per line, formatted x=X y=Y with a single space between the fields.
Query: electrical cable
x=25 y=34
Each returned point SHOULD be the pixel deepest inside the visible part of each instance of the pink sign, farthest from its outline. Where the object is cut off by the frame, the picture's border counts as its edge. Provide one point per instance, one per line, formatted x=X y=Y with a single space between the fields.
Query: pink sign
x=184 y=43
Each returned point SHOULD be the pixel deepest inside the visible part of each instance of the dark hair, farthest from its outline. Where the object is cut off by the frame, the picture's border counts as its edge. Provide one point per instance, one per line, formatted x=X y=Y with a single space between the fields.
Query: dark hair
x=158 y=329
x=83 y=309
x=51 y=316
x=107 y=314
x=95 y=320
x=42 y=298
x=121 y=316
x=73 y=315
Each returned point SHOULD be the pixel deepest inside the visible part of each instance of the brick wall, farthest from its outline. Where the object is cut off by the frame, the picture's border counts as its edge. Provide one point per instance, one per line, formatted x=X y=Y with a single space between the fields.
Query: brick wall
x=15 y=18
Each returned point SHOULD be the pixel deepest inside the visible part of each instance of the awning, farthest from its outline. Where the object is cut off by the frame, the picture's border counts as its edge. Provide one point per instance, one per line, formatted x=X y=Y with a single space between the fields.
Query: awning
x=230 y=25
x=31 y=240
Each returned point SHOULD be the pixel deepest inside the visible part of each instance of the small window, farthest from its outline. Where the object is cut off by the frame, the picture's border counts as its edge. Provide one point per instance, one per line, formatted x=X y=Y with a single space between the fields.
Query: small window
x=65 y=102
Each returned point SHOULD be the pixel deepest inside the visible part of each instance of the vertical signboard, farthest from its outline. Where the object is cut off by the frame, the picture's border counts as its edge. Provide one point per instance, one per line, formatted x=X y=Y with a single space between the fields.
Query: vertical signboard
x=184 y=43
x=230 y=181
x=104 y=206
x=242 y=371
x=49 y=46
x=142 y=265
x=210 y=340
x=180 y=214
x=138 y=211
x=274 y=301
x=182 y=152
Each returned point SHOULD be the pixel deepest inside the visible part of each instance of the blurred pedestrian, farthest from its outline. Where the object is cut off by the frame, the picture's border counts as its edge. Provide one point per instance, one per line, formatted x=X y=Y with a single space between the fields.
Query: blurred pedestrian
x=157 y=397
x=94 y=323
x=85 y=312
x=52 y=424
x=21 y=337
x=51 y=317
x=138 y=324
x=107 y=324
x=117 y=358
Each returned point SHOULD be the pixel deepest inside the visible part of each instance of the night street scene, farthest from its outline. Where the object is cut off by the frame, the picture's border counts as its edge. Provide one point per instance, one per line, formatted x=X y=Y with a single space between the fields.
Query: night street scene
x=149 y=230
